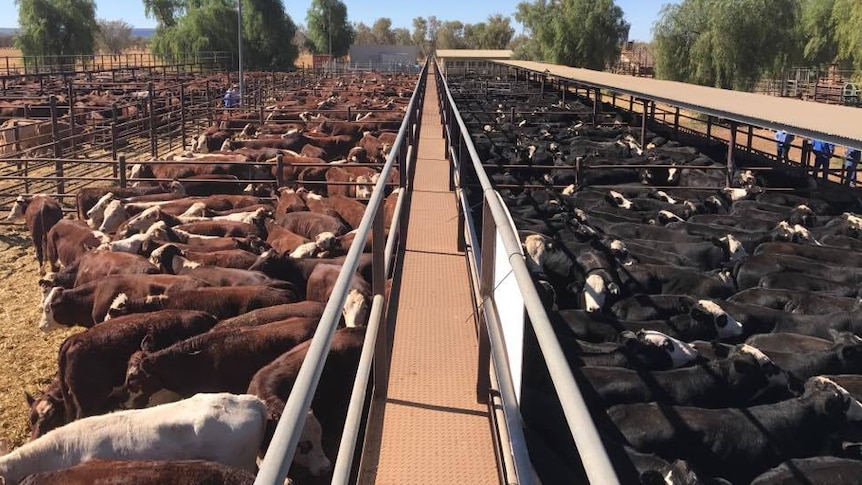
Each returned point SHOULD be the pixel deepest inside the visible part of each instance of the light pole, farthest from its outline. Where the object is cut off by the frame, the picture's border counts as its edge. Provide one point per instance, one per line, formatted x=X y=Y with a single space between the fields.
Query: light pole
x=329 y=31
x=239 y=43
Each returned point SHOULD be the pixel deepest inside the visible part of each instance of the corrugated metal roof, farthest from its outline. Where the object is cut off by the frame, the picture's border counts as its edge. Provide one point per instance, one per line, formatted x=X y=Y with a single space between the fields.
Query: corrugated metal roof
x=841 y=125
x=476 y=53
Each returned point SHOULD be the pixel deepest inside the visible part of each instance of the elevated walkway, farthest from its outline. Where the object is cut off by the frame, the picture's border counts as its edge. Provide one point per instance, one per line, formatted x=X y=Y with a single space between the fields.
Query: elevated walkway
x=430 y=427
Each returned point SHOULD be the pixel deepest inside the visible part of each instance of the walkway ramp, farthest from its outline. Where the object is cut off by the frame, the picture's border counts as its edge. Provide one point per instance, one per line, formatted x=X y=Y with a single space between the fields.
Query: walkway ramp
x=430 y=427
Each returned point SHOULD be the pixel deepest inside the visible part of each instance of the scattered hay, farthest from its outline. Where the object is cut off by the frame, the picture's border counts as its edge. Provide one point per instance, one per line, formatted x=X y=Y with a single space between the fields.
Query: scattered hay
x=28 y=357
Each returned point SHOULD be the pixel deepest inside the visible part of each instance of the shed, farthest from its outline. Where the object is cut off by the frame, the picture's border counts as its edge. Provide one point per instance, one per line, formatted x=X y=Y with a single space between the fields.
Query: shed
x=460 y=61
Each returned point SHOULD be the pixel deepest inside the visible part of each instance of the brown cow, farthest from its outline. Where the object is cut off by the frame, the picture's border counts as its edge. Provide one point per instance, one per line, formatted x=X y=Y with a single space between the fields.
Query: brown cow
x=375 y=150
x=47 y=411
x=162 y=258
x=219 y=229
x=223 y=302
x=94 y=265
x=350 y=210
x=222 y=361
x=320 y=285
x=232 y=277
x=88 y=304
x=297 y=271
x=312 y=151
x=88 y=198
x=210 y=140
x=312 y=225
x=335 y=146
x=320 y=204
x=181 y=472
x=289 y=242
x=340 y=181
x=289 y=200
x=69 y=240
x=41 y=214
x=93 y=363
x=273 y=383
x=213 y=202
x=305 y=309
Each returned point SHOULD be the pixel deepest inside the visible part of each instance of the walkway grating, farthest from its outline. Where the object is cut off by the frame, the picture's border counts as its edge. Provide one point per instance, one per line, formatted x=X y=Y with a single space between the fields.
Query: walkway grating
x=430 y=428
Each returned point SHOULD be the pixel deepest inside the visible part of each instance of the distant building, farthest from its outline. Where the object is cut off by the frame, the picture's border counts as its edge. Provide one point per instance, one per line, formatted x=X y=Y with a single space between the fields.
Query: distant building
x=384 y=57
x=459 y=61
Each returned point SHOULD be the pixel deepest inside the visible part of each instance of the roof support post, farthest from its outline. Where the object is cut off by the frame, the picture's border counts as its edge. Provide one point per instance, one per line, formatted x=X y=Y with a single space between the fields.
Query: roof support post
x=750 y=137
x=597 y=105
x=644 y=116
x=731 y=147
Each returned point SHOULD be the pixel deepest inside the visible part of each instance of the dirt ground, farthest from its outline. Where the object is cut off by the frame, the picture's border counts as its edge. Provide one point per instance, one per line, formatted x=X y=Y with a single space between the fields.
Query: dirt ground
x=28 y=357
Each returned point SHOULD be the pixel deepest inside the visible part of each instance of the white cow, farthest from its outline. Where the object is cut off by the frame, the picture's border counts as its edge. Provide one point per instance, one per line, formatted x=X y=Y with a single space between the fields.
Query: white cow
x=183 y=430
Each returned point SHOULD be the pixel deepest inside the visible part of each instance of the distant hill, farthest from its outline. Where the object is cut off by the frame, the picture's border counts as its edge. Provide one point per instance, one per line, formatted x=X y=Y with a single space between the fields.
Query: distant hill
x=145 y=33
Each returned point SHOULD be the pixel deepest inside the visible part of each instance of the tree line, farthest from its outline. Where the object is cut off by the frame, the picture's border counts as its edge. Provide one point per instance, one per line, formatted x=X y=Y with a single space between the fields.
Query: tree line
x=575 y=32
x=723 y=43
x=734 y=43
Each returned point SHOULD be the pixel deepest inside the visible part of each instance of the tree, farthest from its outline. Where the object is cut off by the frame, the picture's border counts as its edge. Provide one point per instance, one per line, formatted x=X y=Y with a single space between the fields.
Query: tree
x=402 y=36
x=300 y=38
x=265 y=26
x=583 y=33
x=163 y=11
x=450 y=35
x=433 y=26
x=210 y=25
x=525 y=47
x=382 y=30
x=820 y=45
x=726 y=44
x=56 y=27
x=474 y=35
x=420 y=31
x=497 y=32
x=847 y=16
x=328 y=28
x=114 y=36
x=363 y=34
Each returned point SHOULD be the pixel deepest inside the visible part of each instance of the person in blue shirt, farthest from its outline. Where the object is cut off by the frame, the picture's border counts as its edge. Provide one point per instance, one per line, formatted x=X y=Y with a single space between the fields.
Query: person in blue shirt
x=851 y=162
x=783 y=141
x=231 y=97
x=822 y=155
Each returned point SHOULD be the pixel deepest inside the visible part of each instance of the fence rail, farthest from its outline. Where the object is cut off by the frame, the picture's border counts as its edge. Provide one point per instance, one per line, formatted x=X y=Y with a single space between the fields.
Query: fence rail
x=497 y=224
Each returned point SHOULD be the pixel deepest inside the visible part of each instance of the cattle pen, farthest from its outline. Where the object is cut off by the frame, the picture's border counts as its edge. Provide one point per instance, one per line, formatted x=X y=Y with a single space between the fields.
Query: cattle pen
x=502 y=244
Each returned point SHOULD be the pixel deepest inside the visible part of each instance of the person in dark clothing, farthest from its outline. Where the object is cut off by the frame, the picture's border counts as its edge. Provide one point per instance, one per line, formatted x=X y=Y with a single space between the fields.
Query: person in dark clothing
x=851 y=162
x=822 y=155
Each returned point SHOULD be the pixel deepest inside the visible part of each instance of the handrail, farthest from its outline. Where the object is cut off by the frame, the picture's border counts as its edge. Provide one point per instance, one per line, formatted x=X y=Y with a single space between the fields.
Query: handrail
x=279 y=456
x=594 y=457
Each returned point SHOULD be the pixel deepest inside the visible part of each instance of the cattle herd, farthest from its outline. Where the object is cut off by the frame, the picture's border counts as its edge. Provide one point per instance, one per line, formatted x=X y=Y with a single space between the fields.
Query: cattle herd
x=714 y=331
x=200 y=285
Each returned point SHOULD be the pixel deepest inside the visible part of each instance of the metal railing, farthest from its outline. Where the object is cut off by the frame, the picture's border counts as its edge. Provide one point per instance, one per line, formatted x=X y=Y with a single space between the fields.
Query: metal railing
x=496 y=223
x=282 y=448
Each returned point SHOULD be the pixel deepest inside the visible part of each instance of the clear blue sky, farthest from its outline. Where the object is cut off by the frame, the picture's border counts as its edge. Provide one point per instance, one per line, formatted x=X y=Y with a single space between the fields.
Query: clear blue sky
x=639 y=13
